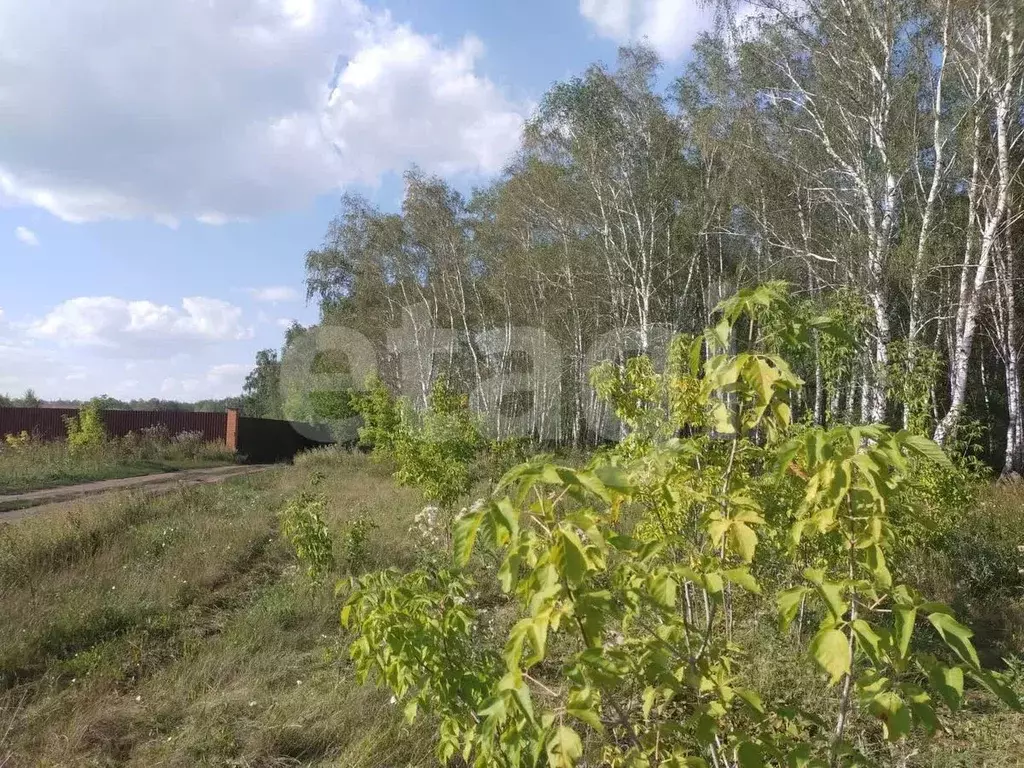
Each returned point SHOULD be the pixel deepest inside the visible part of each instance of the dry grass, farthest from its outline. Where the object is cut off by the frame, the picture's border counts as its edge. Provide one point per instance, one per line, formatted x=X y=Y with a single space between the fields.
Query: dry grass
x=178 y=631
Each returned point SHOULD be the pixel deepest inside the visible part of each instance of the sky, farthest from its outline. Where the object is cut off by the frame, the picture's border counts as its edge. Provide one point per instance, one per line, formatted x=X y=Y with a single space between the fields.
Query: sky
x=165 y=166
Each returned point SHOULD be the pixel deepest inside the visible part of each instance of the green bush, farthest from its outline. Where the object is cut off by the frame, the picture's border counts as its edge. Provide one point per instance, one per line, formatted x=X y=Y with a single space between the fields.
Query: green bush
x=354 y=544
x=303 y=525
x=86 y=430
x=629 y=584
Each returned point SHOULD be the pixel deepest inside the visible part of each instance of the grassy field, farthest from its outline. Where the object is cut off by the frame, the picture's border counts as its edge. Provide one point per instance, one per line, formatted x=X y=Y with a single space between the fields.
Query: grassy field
x=38 y=465
x=179 y=631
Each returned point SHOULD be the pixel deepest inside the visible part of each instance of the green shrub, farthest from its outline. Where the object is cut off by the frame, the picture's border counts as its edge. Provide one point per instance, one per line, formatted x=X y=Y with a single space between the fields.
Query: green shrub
x=630 y=583
x=86 y=430
x=354 y=550
x=303 y=525
x=381 y=416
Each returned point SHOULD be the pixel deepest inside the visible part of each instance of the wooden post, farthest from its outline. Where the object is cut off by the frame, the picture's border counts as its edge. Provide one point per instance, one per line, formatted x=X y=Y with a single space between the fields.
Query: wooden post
x=231 y=437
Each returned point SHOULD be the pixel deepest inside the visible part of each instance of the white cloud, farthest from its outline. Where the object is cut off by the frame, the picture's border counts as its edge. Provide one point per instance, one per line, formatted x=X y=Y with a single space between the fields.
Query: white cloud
x=285 y=322
x=274 y=294
x=226 y=110
x=668 y=26
x=27 y=236
x=228 y=371
x=138 y=328
x=221 y=380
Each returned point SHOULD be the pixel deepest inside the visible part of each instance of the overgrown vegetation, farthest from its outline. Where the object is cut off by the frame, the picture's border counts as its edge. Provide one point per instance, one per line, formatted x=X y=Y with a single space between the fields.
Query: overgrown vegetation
x=617 y=613
x=184 y=631
x=88 y=454
x=180 y=631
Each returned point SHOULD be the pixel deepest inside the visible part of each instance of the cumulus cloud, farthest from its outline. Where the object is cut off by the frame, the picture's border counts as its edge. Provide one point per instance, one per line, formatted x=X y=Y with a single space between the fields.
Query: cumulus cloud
x=226 y=110
x=274 y=294
x=27 y=236
x=668 y=26
x=139 y=327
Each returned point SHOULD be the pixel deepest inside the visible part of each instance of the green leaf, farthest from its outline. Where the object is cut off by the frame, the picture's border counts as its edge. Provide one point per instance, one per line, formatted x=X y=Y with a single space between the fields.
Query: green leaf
x=564 y=748
x=868 y=640
x=956 y=635
x=831 y=650
x=925 y=448
x=717 y=529
x=594 y=609
x=924 y=714
x=724 y=419
x=662 y=587
x=743 y=540
x=505 y=516
x=537 y=632
x=905 y=618
x=894 y=713
x=948 y=682
x=465 y=536
x=592 y=483
x=582 y=705
x=573 y=558
x=830 y=591
x=876 y=562
x=743 y=578
x=994 y=683
x=752 y=698
x=789 y=603
x=614 y=477
x=722 y=331
x=749 y=755
x=513 y=683
x=761 y=376
x=509 y=570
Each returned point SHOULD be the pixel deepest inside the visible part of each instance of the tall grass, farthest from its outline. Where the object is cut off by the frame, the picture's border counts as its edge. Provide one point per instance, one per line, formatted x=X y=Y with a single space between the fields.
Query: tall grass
x=180 y=631
x=27 y=464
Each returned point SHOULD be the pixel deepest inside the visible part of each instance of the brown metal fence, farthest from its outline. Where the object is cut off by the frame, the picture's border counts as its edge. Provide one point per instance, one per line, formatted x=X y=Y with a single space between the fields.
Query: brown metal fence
x=49 y=423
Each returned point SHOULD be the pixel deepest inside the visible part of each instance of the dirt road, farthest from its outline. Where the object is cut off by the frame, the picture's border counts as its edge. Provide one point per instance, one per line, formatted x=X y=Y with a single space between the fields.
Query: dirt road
x=18 y=505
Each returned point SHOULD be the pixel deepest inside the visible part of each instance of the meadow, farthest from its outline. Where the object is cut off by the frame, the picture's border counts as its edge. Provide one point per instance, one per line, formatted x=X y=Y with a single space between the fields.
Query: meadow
x=183 y=631
x=180 y=631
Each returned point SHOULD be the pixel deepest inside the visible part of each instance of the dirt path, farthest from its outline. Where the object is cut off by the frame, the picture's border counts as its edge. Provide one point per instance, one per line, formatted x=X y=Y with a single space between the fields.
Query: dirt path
x=18 y=505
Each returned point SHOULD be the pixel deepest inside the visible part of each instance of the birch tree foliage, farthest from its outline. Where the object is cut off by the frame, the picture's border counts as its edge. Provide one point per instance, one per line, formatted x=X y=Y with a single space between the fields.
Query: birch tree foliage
x=867 y=152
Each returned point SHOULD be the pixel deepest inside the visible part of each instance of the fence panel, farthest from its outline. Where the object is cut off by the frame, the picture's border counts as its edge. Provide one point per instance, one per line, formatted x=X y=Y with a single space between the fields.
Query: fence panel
x=260 y=440
x=263 y=441
x=48 y=423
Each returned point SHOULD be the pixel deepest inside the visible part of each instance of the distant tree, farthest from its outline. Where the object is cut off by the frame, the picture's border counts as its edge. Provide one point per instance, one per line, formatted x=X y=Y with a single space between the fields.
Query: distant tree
x=29 y=400
x=108 y=403
x=5 y=401
x=262 y=391
x=218 y=406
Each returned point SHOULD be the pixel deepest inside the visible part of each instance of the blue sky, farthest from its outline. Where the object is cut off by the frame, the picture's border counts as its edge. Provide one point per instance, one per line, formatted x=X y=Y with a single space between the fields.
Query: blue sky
x=165 y=166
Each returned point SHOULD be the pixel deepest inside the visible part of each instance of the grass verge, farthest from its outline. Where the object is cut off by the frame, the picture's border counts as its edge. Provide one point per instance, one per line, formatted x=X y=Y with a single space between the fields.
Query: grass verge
x=36 y=465
x=179 y=631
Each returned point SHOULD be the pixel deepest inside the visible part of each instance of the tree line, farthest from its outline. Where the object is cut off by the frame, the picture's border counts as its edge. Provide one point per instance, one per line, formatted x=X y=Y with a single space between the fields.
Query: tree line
x=866 y=152
x=106 y=403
